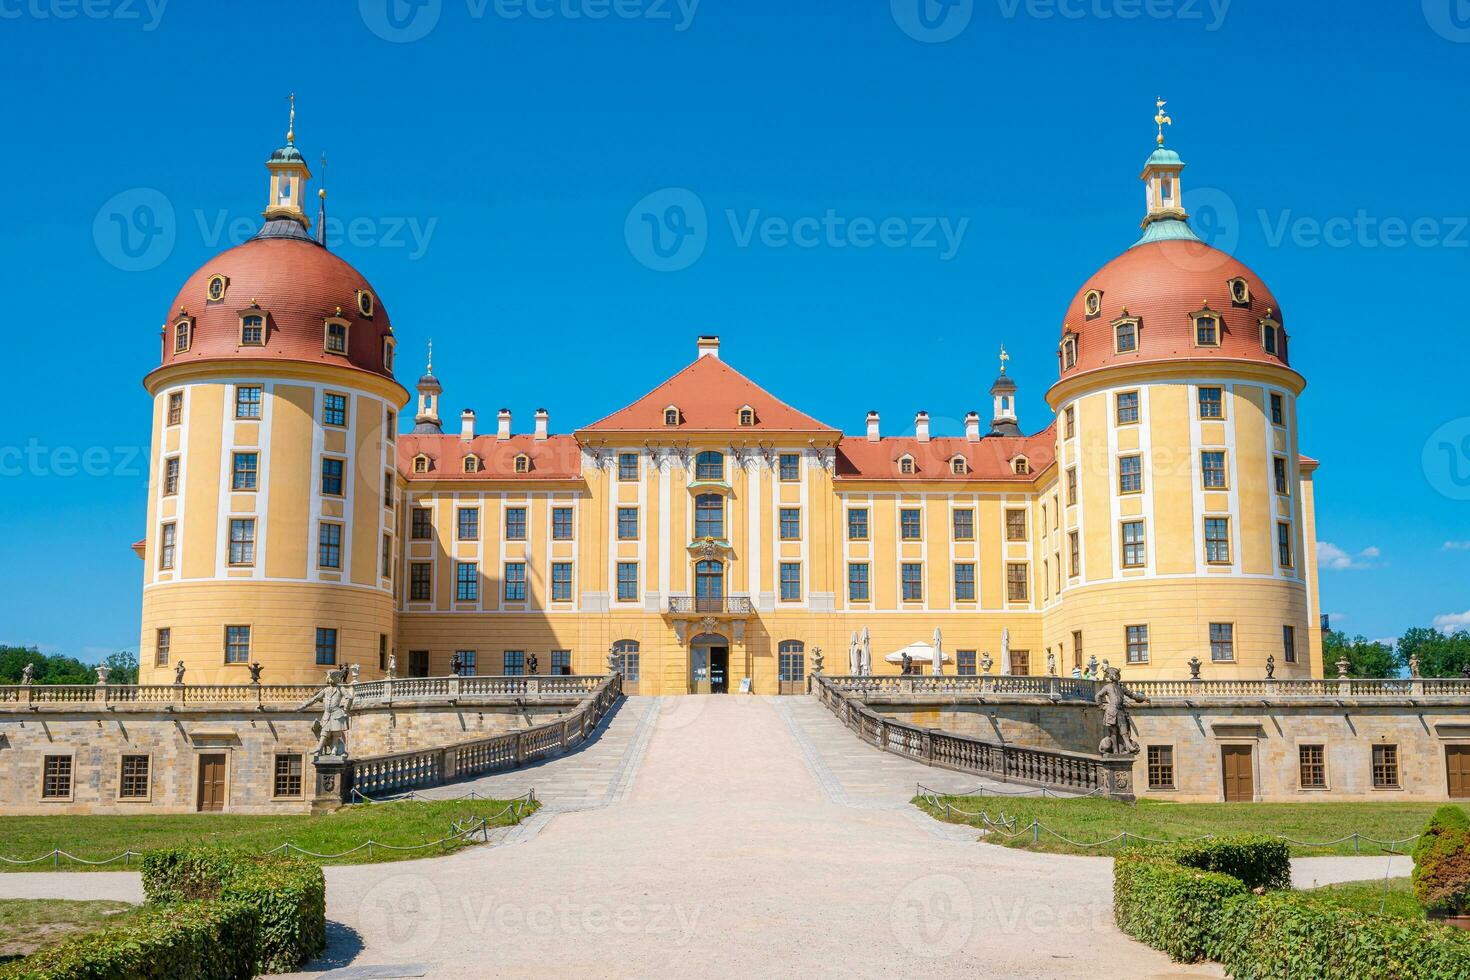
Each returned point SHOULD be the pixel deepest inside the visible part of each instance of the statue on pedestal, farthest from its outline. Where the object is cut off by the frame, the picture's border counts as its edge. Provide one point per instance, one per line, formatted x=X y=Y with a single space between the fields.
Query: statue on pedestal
x=392 y=665
x=28 y=674
x=179 y=673
x=1092 y=666
x=816 y=660
x=1114 y=698
x=254 y=669
x=1051 y=663
x=986 y=662
x=102 y=673
x=1270 y=666
x=1194 y=666
x=533 y=666
x=1413 y=665
x=336 y=702
x=908 y=664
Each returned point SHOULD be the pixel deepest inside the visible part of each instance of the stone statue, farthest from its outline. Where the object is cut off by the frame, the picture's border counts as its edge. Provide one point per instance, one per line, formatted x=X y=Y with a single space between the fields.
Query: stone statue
x=392 y=665
x=986 y=662
x=254 y=673
x=1051 y=663
x=1413 y=665
x=1114 y=698
x=336 y=702
x=1092 y=666
x=908 y=664
x=816 y=660
x=1194 y=666
x=1342 y=666
x=532 y=665
x=854 y=656
x=353 y=670
x=179 y=672
x=27 y=674
x=456 y=665
x=1270 y=666
x=1465 y=670
x=102 y=673
x=1105 y=666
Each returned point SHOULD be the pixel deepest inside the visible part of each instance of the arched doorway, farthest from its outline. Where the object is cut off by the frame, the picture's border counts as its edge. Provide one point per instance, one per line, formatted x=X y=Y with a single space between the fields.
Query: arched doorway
x=709 y=664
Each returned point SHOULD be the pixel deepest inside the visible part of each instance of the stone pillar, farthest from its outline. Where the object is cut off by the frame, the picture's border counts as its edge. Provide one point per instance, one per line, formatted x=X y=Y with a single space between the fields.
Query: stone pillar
x=332 y=786
x=1117 y=777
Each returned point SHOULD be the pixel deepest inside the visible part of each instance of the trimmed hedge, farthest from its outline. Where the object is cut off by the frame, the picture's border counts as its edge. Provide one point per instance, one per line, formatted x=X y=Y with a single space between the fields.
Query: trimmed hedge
x=1169 y=906
x=1287 y=936
x=1258 y=861
x=1442 y=863
x=188 y=941
x=289 y=898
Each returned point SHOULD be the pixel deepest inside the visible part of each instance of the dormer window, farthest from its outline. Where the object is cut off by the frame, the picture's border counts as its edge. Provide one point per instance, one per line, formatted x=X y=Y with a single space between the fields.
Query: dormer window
x=1092 y=303
x=1125 y=336
x=671 y=416
x=472 y=463
x=958 y=466
x=388 y=354
x=1206 y=329
x=523 y=463
x=1069 y=353
x=421 y=463
x=336 y=336
x=183 y=334
x=215 y=290
x=1021 y=465
x=906 y=464
x=1271 y=337
x=365 y=303
x=252 y=329
x=1240 y=292
x=747 y=415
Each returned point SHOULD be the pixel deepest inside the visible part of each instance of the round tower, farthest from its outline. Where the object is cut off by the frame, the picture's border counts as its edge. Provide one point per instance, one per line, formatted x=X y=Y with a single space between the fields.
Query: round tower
x=1186 y=499
x=272 y=533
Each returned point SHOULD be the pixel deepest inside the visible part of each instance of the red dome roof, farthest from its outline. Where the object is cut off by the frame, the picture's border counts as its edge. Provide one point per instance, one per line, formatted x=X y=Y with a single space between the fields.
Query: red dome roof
x=1162 y=283
x=298 y=285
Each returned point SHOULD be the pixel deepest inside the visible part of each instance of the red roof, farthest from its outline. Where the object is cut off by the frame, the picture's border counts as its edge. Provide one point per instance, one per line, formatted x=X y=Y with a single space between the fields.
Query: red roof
x=552 y=458
x=709 y=395
x=988 y=459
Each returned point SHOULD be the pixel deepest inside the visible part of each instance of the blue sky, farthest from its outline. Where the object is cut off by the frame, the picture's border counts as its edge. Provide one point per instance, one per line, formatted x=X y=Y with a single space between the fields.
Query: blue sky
x=486 y=157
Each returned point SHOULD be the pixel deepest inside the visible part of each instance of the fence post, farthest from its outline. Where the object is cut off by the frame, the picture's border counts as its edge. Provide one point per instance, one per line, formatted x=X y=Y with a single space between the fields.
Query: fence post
x=1035 y=832
x=1355 y=842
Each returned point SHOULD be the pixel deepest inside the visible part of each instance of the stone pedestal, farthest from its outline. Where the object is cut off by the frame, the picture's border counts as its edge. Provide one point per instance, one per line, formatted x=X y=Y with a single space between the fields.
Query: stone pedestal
x=332 y=784
x=1118 y=777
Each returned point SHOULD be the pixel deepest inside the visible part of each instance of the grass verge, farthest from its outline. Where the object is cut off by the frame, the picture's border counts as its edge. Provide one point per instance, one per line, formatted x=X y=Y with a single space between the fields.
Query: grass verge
x=1391 y=897
x=28 y=924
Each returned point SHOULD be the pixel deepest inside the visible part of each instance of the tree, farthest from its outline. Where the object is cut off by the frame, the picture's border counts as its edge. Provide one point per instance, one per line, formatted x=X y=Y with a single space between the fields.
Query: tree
x=58 y=668
x=1366 y=658
x=1440 y=654
x=124 y=664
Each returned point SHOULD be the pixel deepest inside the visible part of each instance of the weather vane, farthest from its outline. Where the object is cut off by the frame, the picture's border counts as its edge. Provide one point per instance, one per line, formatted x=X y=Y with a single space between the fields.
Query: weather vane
x=1162 y=120
x=1003 y=358
x=291 y=128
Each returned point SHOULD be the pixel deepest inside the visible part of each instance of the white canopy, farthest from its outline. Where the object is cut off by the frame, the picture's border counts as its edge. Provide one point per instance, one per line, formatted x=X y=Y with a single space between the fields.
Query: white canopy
x=920 y=652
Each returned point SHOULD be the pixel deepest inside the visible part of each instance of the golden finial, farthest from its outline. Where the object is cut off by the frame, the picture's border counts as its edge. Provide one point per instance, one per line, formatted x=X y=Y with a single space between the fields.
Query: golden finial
x=291 y=128
x=1162 y=120
x=431 y=356
x=1003 y=358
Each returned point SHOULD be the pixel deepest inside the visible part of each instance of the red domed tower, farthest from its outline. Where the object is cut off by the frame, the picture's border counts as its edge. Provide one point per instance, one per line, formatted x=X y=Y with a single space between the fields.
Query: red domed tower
x=271 y=522
x=1187 y=503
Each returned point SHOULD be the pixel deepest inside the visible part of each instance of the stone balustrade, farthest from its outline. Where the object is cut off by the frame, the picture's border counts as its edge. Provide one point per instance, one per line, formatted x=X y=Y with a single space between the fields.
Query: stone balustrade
x=1084 y=689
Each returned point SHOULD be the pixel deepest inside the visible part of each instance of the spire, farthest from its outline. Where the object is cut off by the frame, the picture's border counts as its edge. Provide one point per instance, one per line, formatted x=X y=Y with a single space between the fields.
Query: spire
x=285 y=209
x=1162 y=120
x=291 y=126
x=321 y=196
x=1164 y=217
x=426 y=422
x=1003 y=396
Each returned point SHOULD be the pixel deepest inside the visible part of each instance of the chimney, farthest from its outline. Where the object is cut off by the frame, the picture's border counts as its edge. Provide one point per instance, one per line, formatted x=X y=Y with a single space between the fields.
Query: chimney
x=972 y=426
x=502 y=429
x=708 y=346
x=542 y=417
x=873 y=427
x=921 y=427
x=467 y=425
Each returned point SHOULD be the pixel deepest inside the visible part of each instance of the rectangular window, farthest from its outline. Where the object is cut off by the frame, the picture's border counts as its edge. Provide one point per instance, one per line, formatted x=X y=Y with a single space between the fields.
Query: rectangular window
x=561 y=581
x=1288 y=643
x=964 y=581
x=171 y=476
x=1217 y=540
x=790 y=466
x=56 y=778
x=467 y=581
x=1135 y=554
x=390 y=424
x=1127 y=336
x=627 y=523
x=329 y=545
x=167 y=545
x=964 y=524
x=1020 y=663
x=964 y=663
x=709 y=516
x=1074 y=553
x=388 y=488
x=561 y=663
x=1206 y=331
x=1071 y=486
x=1136 y=644
x=133 y=778
x=423 y=524
x=161 y=642
x=1015 y=525
x=627 y=581
x=1077 y=648
x=237 y=644
x=247 y=401
x=561 y=523
x=1385 y=766
x=627 y=466
x=913 y=581
x=910 y=524
x=1278 y=473
x=326 y=646
x=1130 y=474
x=175 y=407
x=513 y=663
x=332 y=476
x=1127 y=407
x=242 y=541
x=387 y=557
x=288 y=775
x=336 y=337
x=790 y=581
x=382 y=651
x=465 y=663
x=1222 y=641
x=1016 y=587
x=790 y=523
x=1312 y=761
x=467 y=523
x=334 y=409
x=1283 y=544
x=1071 y=418
x=515 y=581
x=857 y=524
x=857 y=582
x=1161 y=767
x=245 y=471
x=420 y=580
x=1278 y=410
x=1211 y=403
x=1212 y=469
x=515 y=523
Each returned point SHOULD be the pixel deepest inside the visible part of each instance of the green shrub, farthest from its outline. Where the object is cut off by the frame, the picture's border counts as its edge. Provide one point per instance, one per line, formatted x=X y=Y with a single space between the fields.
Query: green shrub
x=289 y=897
x=1259 y=862
x=189 y=941
x=1289 y=936
x=1442 y=863
x=1169 y=906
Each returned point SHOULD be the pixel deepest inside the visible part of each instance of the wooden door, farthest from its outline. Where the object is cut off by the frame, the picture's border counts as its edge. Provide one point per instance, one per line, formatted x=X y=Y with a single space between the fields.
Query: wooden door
x=211 y=782
x=1235 y=764
x=1457 y=767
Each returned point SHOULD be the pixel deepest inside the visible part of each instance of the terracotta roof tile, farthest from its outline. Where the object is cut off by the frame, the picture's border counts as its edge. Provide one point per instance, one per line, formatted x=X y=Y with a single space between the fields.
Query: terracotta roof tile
x=709 y=395
x=552 y=458
x=986 y=460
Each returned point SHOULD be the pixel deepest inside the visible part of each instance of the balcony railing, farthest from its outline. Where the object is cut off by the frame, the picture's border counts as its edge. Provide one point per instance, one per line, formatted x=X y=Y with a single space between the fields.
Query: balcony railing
x=730 y=605
x=1085 y=689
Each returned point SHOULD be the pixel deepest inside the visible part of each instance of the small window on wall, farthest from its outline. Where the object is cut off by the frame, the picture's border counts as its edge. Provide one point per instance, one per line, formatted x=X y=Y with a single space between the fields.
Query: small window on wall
x=133 y=779
x=1069 y=353
x=1125 y=336
x=1385 y=766
x=1135 y=640
x=906 y=465
x=1283 y=545
x=252 y=330
x=421 y=463
x=237 y=644
x=183 y=335
x=964 y=581
x=1279 y=474
x=1222 y=642
x=472 y=463
x=523 y=463
x=857 y=524
x=420 y=579
x=790 y=466
x=388 y=357
x=1211 y=403
x=515 y=581
x=1212 y=469
x=245 y=472
x=1015 y=525
x=423 y=524
x=171 y=476
x=336 y=337
x=627 y=466
x=709 y=466
x=1206 y=330
x=1130 y=474
x=963 y=524
x=1312 y=763
x=1217 y=540
x=747 y=416
x=857 y=582
x=910 y=524
x=1127 y=407
x=671 y=416
x=332 y=470
x=561 y=581
x=1017 y=589
x=163 y=639
x=1278 y=410
x=56 y=777
x=912 y=577
x=288 y=775
x=513 y=663
x=467 y=581
x=326 y=646
x=1135 y=554
x=334 y=409
x=1070 y=416
x=1161 y=767
x=175 y=407
x=561 y=663
x=329 y=546
x=1288 y=644
x=247 y=401
x=790 y=581
x=1271 y=337
x=964 y=663
x=1021 y=465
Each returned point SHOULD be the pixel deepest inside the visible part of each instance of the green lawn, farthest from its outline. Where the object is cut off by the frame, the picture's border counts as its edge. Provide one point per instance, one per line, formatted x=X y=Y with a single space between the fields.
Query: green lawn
x=1390 y=896
x=403 y=823
x=28 y=924
x=1090 y=820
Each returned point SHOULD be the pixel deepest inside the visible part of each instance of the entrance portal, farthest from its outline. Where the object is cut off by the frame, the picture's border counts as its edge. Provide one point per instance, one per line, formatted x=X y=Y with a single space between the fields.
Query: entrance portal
x=719 y=670
x=709 y=664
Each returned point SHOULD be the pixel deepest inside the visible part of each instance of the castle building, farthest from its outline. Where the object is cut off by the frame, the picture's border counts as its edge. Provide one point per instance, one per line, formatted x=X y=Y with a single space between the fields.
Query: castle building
x=709 y=536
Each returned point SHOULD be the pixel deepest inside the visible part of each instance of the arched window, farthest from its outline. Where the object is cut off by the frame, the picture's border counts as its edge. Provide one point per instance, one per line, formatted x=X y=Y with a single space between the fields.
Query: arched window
x=958 y=466
x=792 y=661
x=421 y=463
x=1271 y=338
x=906 y=465
x=709 y=584
x=523 y=463
x=709 y=466
x=671 y=416
x=709 y=516
x=182 y=330
x=747 y=416
x=625 y=659
x=472 y=464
